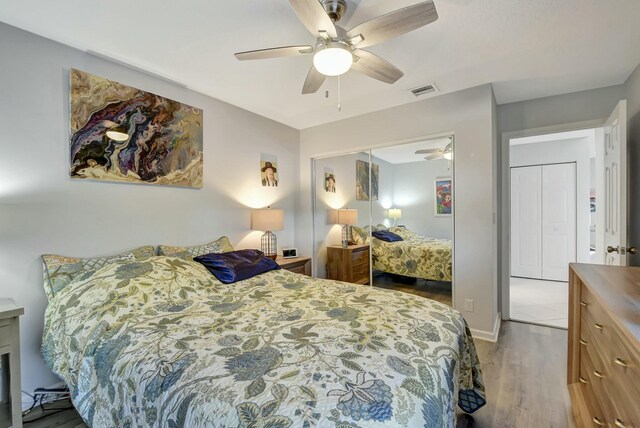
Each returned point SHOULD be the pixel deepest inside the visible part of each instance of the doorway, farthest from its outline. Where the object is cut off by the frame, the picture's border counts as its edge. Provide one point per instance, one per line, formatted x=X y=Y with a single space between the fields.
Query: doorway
x=553 y=181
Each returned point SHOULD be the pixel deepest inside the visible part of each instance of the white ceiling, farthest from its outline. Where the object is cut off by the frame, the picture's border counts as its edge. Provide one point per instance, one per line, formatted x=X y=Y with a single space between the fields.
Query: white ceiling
x=405 y=153
x=527 y=48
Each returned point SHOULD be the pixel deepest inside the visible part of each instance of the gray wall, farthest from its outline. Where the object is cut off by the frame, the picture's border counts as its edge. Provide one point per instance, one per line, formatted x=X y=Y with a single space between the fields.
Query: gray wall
x=468 y=114
x=633 y=106
x=43 y=211
x=413 y=192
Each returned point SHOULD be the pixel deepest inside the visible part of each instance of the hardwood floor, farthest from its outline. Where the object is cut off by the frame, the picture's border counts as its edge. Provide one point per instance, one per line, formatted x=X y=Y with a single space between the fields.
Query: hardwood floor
x=524 y=374
x=435 y=290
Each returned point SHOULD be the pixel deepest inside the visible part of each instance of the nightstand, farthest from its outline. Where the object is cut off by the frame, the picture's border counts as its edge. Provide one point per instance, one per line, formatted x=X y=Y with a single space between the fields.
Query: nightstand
x=10 y=353
x=348 y=264
x=301 y=265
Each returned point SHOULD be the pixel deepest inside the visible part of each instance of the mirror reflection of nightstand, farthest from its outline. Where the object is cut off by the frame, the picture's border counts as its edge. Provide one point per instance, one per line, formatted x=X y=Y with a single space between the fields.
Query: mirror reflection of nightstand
x=11 y=408
x=301 y=265
x=348 y=264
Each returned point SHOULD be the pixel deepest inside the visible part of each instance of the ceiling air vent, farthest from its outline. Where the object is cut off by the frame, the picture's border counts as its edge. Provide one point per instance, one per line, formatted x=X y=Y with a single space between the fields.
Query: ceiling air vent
x=424 y=90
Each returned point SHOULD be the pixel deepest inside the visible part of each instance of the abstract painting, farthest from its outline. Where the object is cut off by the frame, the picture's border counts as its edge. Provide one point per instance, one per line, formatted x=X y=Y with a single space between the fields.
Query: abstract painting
x=443 y=196
x=362 y=181
x=120 y=133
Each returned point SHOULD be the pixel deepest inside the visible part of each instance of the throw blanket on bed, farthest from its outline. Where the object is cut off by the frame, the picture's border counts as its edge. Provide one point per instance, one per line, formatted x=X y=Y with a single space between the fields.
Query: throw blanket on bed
x=415 y=256
x=163 y=343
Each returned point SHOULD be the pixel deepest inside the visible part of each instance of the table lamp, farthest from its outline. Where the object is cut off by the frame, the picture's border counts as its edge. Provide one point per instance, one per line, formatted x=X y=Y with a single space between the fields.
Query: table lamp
x=395 y=214
x=268 y=220
x=347 y=218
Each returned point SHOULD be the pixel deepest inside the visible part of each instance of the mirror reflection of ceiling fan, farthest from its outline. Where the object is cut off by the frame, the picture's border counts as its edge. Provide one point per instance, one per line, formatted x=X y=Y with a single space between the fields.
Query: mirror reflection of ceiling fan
x=433 y=154
x=337 y=50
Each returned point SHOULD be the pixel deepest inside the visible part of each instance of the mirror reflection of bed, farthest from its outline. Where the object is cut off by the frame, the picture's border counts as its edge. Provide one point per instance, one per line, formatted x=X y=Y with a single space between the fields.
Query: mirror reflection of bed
x=394 y=206
x=412 y=225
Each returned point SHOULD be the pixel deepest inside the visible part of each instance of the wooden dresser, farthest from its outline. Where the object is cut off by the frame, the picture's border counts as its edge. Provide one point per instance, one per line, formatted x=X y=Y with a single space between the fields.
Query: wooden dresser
x=604 y=345
x=348 y=264
x=301 y=265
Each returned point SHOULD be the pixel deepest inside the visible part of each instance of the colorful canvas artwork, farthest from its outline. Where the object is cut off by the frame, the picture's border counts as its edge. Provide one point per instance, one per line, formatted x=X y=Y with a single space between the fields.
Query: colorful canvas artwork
x=443 y=196
x=362 y=181
x=120 y=133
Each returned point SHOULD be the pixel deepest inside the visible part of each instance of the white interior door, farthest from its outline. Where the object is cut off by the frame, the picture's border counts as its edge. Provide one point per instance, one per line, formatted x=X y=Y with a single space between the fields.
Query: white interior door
x=558 y=220
x=615 y=186
x=526 y=221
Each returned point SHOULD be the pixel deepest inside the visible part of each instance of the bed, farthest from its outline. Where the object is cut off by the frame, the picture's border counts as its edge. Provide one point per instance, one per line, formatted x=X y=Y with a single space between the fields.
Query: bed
x=163 y=343
x=415 y=256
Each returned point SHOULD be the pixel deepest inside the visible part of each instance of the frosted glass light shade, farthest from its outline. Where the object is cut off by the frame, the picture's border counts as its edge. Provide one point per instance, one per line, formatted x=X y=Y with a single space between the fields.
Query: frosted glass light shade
x=395 y=213
x=117 y=134
x=333 y=59
x=346 y=216
x=448 y=155
x=267 y=219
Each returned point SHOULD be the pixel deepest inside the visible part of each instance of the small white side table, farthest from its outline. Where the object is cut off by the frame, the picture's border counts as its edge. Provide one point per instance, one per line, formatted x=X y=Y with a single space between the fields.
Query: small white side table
x=10 y=351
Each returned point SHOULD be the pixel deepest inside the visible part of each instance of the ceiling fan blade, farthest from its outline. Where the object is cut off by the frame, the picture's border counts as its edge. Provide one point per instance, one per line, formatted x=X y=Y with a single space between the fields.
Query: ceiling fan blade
x=434 y=156
x=393 y=24
x=427 y=151
x=314 y=80
x=376 y=67
x=274 y=52
x=314 y=17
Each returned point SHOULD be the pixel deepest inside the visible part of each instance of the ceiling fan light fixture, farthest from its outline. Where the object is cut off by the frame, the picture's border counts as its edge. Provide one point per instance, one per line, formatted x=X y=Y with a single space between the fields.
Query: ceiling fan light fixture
x=118 y=133
x=333 y=58
x=448 y=155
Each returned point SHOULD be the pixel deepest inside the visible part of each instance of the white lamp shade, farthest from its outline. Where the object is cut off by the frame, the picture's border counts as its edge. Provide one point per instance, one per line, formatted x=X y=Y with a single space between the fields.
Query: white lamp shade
x=333 y=59
x=395 y=213
x=345 y=217
x=267 y=219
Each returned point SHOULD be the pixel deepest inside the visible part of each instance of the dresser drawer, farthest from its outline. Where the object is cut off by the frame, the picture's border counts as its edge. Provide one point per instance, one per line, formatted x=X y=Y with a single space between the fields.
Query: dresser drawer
x=590 y=385
x=361 y=274
x=5 y=334
x=359 y=258
x=624 y=372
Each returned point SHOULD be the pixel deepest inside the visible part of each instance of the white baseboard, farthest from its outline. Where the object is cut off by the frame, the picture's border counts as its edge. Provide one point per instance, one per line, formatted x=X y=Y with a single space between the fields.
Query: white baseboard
x=489 y=336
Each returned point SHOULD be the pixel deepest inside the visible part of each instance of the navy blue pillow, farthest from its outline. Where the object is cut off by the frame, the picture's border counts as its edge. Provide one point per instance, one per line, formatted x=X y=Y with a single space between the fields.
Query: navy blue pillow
x=385 y=235
x=237 y=265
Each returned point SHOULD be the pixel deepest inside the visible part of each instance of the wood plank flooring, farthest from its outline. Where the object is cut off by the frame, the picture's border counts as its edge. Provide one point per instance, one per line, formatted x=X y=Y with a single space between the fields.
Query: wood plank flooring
x=524 y=374
x=434 y=290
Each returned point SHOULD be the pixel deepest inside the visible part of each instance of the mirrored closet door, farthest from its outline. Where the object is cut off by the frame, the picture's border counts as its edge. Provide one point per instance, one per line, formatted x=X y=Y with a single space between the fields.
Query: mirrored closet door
x=385 y=217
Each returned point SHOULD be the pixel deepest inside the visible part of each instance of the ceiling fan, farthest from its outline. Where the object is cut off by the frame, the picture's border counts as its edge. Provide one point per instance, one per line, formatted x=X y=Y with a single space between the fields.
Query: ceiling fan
x=432 y=154
x=337 y=50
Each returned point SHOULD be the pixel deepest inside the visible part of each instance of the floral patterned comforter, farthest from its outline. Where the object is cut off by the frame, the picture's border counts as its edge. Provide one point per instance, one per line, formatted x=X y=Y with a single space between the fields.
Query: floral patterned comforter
x=163 y=343
x=415 y=256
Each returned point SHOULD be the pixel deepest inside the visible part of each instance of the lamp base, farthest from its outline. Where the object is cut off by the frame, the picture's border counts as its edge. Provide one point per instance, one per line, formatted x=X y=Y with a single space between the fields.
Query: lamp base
x=269 y=245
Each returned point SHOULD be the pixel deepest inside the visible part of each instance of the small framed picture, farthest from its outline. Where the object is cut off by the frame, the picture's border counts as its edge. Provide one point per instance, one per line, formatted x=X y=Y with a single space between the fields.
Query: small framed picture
x=289 y=253
x=443 y=197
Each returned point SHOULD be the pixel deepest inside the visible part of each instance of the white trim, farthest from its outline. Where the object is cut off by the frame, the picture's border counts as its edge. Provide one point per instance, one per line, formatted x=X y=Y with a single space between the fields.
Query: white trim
x=488 y=336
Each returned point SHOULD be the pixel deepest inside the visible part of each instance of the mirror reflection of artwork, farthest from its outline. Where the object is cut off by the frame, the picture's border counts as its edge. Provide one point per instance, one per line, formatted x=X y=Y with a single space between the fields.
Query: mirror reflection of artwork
x=362 y=181
x=269 y=171
x=443 y=196
x=329 y=182
x=120 y=133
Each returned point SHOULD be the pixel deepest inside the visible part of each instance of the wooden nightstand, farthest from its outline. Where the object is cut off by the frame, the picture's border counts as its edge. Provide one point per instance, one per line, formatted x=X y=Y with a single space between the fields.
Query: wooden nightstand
x=10 y=353
x=350 y=264
x=301 y=265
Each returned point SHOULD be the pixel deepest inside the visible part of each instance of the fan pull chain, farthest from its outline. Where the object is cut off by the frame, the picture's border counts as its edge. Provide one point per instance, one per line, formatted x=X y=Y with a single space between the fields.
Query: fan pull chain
x=339 y=96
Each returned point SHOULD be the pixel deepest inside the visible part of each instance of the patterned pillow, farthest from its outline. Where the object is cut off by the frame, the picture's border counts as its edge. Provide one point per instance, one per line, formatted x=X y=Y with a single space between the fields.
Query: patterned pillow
x=59 y=271
x=221 y=245
x=360 y=235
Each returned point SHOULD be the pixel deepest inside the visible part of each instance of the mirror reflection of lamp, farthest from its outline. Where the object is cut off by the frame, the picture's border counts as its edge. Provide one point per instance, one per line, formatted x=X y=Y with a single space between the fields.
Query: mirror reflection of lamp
x=268 y=220
x=347 y=218
x=395 y=214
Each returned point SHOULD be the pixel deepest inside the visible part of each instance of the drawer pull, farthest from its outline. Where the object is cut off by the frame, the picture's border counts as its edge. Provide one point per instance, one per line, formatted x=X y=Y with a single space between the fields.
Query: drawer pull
x=619 y=423
x=598 y=421
x=598 y=326
x=583 y=342
x=598 y=374
x=620 y=362
x=582 y=380
x=583 y=303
